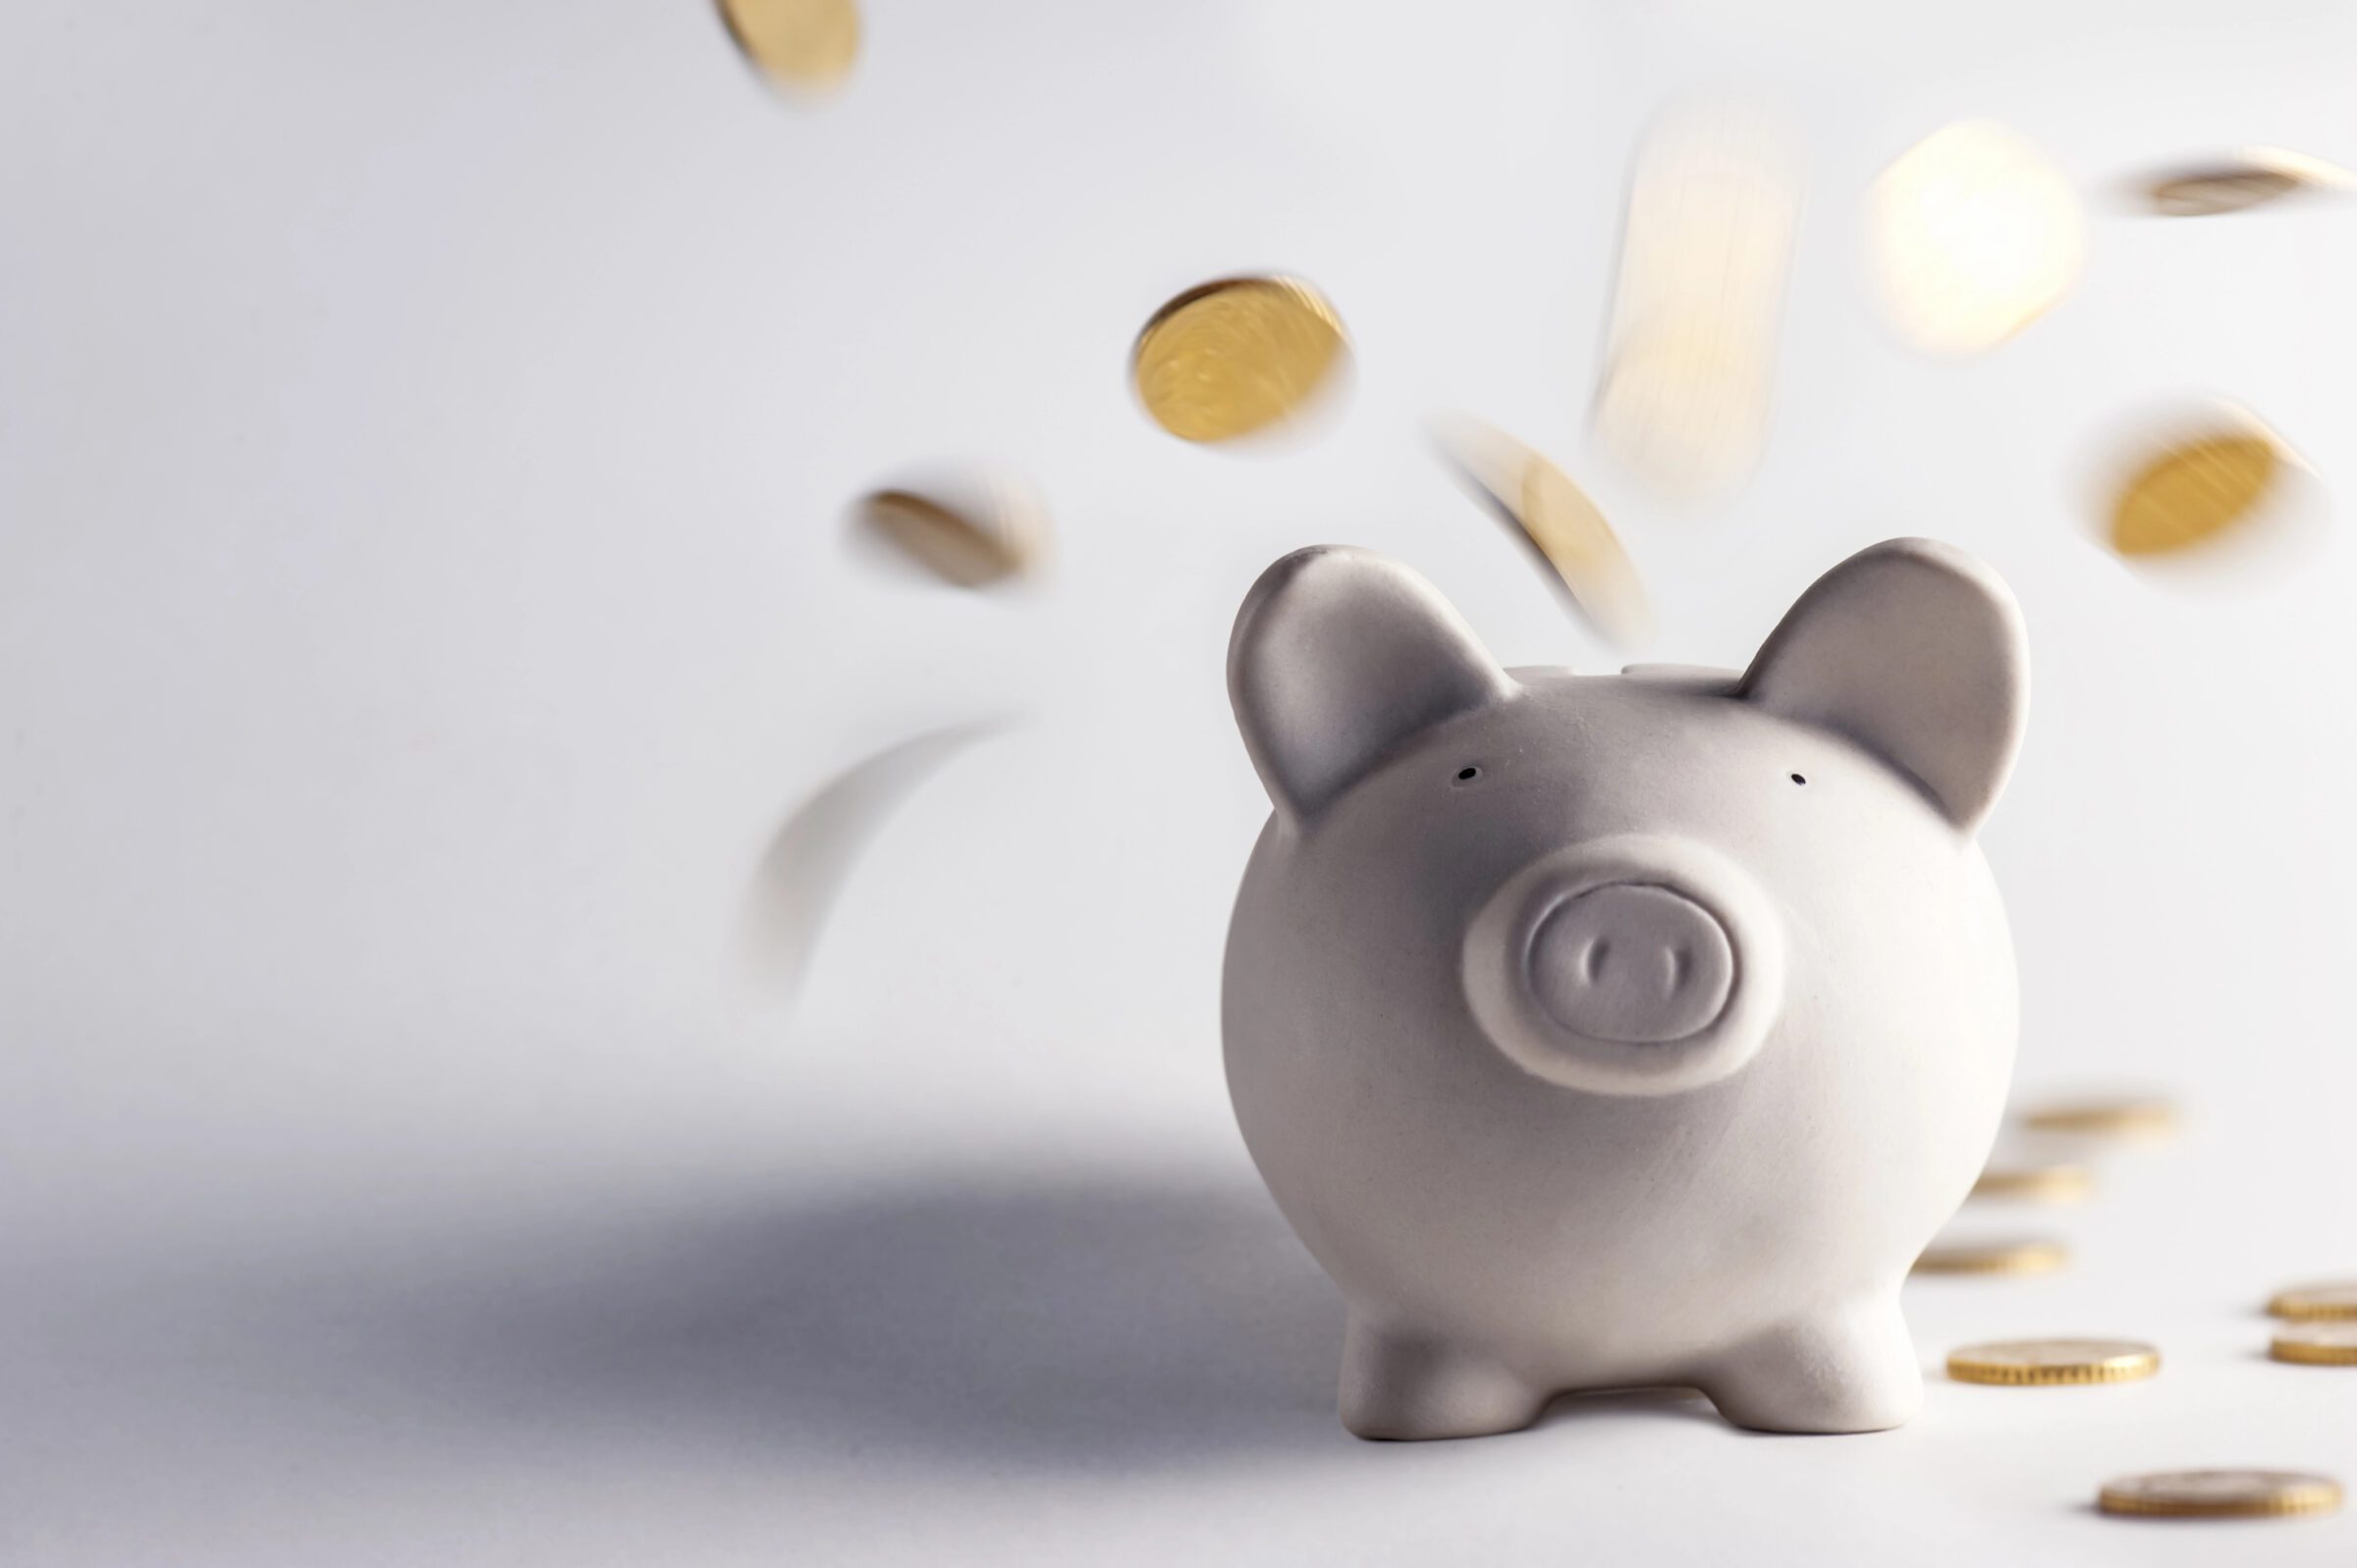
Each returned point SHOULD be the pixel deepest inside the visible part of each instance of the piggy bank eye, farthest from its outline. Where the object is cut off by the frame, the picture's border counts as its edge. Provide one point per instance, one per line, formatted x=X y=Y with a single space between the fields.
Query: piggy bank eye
x=1468 y=774
x=1797 y=779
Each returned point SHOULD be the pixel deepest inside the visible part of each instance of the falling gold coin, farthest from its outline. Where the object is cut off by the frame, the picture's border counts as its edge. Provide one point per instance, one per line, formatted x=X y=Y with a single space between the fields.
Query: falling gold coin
x=2317 y=1344
x=810 y=44
x=1993 y=1258
x=1559 y=522
x=811 y=858
x=2206 y=193
x=1237 y=357
x=970 y=529
x=2035 y=1183
x=2249 y=178
x=1689 y=358
x=2311 y=1303
x=2194 y=490
x=2054 y=1363
x=2220 y=1494
x=1973 y=236
x=2108 y=1119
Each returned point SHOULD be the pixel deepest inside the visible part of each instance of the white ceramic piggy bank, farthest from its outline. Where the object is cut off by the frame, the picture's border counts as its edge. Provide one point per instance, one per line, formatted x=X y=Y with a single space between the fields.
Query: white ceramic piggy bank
x=1612 y=1031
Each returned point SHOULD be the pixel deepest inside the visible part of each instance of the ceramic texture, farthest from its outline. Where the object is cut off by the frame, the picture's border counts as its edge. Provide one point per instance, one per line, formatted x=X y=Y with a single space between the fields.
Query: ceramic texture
x=1624 y=1030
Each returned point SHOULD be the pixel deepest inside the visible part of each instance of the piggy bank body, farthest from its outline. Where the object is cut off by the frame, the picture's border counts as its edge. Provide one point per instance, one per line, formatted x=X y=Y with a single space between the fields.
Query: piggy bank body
x=1624 y=1030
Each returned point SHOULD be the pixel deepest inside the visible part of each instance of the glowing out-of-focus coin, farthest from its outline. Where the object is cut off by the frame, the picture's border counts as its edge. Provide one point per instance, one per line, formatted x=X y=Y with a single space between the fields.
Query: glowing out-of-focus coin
x=1687 y=406
x=2317 y=1344
x=2336 y=1299
x=2054 y=1362
x=2054 y=1182
x=2195 y=489
x=2027 y=1257
x=1554 y=517
x=2219 y=1494
x=2248 y=179
x=1237 y=357
x=1689 y=356
x=2121 y=1117
x=1973 y=235
x=972 y=530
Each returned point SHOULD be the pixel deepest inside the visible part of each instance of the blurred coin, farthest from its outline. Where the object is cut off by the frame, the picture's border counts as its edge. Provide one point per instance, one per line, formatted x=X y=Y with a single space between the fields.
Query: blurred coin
x=2336 y=1299
x=2317 y=1344
x=2124 y=1118
x=2247 y=179
x=2051 y=1183
x=1557 y=520
x=1973 y=235
x=2220 y=1494
x=1689 y=352
x=2047 y=1363
x=808 y=44
x=1993 y=1258
x=2196 y=488
x=970 y=528
x=810 y=856
x=1236 y=356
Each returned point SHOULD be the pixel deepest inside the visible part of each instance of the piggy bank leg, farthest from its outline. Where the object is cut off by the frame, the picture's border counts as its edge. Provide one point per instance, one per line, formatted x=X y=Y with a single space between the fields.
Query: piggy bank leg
x=1850 y=1370
x=1403 y=1385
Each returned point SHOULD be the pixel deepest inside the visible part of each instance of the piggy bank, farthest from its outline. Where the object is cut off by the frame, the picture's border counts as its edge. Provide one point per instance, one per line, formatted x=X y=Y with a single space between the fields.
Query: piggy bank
x=1611 y=1031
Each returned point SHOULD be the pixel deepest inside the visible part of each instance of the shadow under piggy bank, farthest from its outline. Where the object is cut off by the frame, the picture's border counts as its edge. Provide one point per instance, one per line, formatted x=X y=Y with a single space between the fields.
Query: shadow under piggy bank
x=1073 y=1321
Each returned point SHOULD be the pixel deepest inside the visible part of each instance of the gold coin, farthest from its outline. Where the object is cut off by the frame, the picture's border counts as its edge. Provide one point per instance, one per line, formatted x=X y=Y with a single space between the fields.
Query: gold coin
x=1237 y=356
x=1558 y=521
x=1974 y=234
x=2040 y=1363
x=2206 y=193
x=984 y=531
x=2219 y=1494
x=2248 y=179
x=1993 y=1258
x=2035 y=1183
x=2317 y=1344
x=2194 y=490
x=2112 y=1118
x=808 y=44
x=2310 y=1303
x=1689 y=359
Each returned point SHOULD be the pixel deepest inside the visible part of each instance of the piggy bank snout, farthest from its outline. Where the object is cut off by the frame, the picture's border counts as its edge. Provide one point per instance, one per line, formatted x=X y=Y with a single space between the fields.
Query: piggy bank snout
x=1631 y=962
x=1631 y=965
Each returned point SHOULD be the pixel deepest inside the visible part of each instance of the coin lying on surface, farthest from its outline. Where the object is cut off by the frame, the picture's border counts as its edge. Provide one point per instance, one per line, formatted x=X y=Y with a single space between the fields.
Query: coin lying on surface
x=808 y=44
x=2247 y=179
x=2219 y=1494
x=2122 y=1118
x=1554 y=517
x=970 y=528
x=1237 y=357
x=2331 y=1299
x=2054 y=1362
x=2050 y=1182
x=1992 y=1258
x=2317 y=1344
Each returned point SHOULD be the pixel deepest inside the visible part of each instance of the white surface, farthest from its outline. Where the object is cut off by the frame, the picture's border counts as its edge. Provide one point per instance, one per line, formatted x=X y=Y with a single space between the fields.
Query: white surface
x=425 y=430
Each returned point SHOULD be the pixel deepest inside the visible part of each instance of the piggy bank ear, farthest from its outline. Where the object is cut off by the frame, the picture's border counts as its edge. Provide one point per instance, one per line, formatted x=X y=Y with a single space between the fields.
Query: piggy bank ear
x=1338 y=657
x=1915 y=651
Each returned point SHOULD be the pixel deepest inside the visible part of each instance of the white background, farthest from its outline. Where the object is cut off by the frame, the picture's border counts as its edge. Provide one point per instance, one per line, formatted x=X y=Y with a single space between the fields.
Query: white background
x=425 y=430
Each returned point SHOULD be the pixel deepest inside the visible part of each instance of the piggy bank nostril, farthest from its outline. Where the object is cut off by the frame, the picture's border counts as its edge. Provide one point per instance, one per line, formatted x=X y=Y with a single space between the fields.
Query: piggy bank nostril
x=1631 y=962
